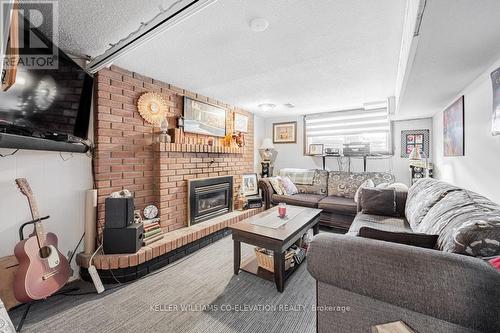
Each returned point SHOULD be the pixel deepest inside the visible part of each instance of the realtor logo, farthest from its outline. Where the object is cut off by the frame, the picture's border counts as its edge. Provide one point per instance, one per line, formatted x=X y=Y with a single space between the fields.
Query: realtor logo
x=31 y=38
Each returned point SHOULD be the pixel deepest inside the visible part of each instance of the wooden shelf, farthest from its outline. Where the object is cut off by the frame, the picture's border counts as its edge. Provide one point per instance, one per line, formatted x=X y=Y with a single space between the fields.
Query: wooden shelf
x=190 y=148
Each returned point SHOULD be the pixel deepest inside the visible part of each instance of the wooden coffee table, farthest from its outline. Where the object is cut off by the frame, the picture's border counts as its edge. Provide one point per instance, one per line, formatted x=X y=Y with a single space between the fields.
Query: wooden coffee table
x=277 y=240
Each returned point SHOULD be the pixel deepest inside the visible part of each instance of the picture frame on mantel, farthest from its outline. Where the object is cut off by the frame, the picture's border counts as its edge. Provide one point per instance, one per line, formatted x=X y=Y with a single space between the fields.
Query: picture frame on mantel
x=285 y=132
x=454 y=128
x=204 y=118
x=240 y=122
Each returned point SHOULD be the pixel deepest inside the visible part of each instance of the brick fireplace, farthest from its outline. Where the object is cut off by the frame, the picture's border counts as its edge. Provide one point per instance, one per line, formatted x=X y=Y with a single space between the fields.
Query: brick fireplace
x=128 y=157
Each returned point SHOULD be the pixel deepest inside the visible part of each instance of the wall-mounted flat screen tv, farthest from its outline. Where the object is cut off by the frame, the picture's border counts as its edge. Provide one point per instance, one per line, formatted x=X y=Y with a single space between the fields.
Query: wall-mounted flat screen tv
x=46 y=102
x=204 y=118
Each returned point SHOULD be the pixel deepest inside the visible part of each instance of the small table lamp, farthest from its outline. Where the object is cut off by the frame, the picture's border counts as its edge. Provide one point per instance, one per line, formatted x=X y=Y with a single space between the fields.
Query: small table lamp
x=416 y=155
x=268 y=155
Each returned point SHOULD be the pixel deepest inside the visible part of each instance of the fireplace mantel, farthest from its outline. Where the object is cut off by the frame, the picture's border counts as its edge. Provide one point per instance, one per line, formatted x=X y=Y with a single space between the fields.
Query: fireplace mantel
x=190 y=148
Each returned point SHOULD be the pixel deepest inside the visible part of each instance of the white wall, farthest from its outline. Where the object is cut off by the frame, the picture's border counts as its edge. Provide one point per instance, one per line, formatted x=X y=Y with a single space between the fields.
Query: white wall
x=292 y=155
x=258 y=137
x=478 y=169
x=59 y=188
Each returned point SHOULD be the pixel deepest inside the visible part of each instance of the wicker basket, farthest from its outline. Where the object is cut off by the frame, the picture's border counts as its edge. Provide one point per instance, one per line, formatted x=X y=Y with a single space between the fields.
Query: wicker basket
x=265 y=259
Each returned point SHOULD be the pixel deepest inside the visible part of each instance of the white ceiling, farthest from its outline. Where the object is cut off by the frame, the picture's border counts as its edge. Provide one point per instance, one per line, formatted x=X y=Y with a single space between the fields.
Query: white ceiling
x=319 y=55
x=458 y=41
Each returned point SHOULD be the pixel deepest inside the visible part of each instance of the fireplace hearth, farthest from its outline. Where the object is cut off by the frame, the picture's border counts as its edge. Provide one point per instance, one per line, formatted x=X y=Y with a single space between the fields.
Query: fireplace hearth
x=209 y=197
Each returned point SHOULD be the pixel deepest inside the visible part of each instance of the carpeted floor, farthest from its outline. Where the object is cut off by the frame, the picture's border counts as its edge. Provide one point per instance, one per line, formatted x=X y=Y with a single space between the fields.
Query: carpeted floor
x=199 y=293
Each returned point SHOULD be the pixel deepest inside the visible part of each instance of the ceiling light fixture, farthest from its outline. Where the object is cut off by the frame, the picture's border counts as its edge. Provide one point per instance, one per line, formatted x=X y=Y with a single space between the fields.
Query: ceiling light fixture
x=289 y=105
x=259 y=24
x=267 y=107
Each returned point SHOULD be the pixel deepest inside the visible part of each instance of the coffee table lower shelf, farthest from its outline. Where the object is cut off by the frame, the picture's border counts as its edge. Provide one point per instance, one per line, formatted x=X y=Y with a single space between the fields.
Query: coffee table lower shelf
x=251 y=266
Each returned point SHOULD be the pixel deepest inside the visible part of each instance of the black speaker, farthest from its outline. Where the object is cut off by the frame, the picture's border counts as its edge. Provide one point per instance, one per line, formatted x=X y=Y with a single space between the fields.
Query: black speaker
x=124 y=240
x=119 y=212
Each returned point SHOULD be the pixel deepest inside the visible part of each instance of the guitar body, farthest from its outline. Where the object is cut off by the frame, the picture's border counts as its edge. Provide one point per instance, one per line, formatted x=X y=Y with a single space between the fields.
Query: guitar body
x=40 y=273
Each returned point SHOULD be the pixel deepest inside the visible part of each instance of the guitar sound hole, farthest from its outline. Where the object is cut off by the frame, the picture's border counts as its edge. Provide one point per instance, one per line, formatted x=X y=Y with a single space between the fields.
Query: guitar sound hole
x=45 y=252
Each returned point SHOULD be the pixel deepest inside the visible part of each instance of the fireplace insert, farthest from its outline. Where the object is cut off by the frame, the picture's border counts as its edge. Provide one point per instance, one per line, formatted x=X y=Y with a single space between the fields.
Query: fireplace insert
x=209 y=197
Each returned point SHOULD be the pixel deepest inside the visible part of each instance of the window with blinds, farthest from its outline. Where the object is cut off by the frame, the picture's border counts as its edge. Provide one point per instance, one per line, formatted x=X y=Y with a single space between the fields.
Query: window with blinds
x=334 y=129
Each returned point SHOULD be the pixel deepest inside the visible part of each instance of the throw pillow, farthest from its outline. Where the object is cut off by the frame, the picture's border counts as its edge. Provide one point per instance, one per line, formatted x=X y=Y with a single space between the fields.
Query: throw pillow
x=383 y=185
x=495 y=262
x=366 y=183
x=407 y=238
x=275 y=183
x=479 y=236
x=288 y=186
x=378 y=201
x=400 y=187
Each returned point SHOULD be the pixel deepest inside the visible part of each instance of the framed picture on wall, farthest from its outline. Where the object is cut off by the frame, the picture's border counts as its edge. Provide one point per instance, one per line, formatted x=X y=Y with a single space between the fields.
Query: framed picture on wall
x=204 y=118
x=285 y=132
x=495 y=117
x=249 y=184
x=414 y=138
x=316 y=149
x=240 y=122
x=453 y=129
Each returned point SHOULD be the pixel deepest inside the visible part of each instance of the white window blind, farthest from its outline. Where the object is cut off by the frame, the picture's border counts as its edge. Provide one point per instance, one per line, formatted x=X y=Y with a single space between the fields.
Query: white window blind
x=334 y=129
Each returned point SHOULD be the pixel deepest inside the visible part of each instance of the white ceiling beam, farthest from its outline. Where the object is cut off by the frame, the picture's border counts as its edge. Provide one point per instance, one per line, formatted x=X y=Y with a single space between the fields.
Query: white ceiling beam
x=179 y=11
x=409 y=43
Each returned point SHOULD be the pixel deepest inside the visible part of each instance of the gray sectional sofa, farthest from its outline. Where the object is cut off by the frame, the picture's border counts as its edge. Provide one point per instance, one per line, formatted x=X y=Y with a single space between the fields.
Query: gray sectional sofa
x=363 y=282
x=331 y=191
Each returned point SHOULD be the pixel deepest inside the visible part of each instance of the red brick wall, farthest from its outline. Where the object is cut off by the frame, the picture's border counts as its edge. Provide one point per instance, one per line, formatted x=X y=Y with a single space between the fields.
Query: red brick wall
x=125 y=154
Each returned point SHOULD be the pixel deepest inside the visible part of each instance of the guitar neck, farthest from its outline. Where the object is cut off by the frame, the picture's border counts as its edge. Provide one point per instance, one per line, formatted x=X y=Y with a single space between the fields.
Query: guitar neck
x=40 y=233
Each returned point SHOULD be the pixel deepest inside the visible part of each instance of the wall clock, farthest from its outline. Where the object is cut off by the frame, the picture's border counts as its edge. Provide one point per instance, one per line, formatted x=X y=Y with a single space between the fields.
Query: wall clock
x=150 y=212
x=152 y=108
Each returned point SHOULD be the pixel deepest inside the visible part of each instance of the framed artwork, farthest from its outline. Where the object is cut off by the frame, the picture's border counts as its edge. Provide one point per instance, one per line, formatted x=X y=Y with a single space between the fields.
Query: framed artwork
x=240 y=123
x=285 y=132
x=316 y=149
x=495 y=117
x=414 y=138
x=249 y=184
x=453 y=129
x=204 y=118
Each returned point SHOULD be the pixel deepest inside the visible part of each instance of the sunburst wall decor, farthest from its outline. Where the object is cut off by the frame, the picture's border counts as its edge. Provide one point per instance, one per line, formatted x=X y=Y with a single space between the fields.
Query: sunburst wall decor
x=152 y=108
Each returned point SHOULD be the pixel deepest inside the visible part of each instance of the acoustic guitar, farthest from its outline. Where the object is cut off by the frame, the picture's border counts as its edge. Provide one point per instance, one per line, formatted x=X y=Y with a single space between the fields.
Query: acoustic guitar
x=42 y=270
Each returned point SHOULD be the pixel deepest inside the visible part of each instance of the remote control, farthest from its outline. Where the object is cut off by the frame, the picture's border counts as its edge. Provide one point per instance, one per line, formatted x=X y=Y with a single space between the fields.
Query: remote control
x=96 y=279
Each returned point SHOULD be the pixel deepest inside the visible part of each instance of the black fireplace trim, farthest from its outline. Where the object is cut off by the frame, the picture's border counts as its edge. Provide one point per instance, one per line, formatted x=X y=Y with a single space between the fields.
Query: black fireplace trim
x=123 y=275
x=194 y=183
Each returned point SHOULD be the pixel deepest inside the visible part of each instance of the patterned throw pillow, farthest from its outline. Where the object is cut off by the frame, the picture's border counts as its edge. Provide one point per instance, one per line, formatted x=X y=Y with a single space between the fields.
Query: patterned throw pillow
x=366 y=183
x=288 y=186
x=276 y=184
x=480 y=235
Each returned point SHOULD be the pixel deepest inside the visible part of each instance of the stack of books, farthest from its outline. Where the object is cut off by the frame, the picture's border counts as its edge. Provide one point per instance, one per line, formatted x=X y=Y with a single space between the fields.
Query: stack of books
x=152 y=231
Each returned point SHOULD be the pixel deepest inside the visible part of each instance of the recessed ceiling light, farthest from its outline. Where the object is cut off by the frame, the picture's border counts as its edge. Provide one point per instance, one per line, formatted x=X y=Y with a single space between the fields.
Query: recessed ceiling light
x=259 y=24
x=289 y=105
x=267 y=106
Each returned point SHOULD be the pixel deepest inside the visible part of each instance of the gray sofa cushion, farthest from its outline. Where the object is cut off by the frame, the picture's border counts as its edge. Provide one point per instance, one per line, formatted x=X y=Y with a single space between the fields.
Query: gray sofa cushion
x=386 y=223
x=422 y=196
x=338 y=205
x=345 y=184
x=300 y=199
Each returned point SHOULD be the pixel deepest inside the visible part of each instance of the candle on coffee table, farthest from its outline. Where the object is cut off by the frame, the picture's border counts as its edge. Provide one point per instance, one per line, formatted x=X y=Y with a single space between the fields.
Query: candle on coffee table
x=282 y=209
